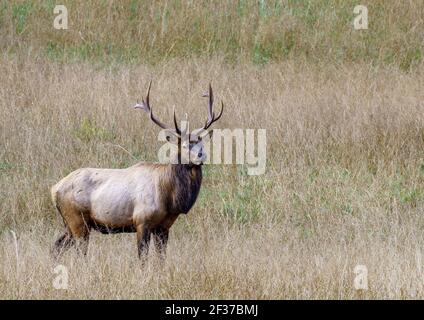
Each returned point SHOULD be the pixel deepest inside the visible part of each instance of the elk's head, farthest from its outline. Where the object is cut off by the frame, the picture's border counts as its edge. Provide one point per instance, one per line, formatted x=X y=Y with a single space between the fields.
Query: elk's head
x=190 y=144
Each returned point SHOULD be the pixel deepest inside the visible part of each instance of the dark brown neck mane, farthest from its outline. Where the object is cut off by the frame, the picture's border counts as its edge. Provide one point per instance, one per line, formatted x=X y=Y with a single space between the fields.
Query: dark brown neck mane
x=185 y=183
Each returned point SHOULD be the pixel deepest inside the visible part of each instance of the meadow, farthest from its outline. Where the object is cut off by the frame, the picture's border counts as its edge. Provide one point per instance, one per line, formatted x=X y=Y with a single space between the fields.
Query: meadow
x=345 y=130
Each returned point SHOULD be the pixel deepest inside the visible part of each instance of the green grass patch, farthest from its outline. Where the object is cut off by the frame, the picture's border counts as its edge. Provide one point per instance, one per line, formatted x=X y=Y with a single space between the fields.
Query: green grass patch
x=20 y=12
x=87 y=131
x=132 y=32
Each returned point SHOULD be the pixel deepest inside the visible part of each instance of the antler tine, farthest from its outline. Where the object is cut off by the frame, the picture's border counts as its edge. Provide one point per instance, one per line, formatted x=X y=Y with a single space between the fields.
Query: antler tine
x=211 y=114
x=145 y=105
x=148 y=96
x=209 y=123
x=210 y=105
x=220 y=113
x=177 y=129
x=157 y=121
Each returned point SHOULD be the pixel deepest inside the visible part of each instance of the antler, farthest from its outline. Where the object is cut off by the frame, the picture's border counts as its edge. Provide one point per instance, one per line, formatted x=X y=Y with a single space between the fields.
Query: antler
x=211 y=113
x=145 y=105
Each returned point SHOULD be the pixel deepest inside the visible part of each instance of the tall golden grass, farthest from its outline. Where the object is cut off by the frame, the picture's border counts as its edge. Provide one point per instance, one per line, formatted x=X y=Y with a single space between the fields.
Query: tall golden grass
x=343 y=185
x=343 y=111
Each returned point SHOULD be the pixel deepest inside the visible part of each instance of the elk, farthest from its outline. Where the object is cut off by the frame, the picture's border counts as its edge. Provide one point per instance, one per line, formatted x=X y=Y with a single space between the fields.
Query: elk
x=144 y=198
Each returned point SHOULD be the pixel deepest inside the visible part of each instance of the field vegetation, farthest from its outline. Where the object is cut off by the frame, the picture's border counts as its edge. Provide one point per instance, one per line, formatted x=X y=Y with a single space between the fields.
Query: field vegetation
x=343 y=110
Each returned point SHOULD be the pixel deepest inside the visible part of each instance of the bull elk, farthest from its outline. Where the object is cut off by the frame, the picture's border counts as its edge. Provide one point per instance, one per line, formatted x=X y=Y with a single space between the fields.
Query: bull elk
x=144 y=198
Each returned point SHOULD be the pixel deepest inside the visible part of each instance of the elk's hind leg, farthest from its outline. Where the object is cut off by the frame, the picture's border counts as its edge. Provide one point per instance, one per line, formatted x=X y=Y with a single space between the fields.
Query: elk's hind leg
x=62 y=244
x=66 y=240
x=79 y=225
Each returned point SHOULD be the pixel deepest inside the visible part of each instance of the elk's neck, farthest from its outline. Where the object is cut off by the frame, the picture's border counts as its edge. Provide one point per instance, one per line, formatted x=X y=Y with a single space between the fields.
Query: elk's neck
x=184 y=183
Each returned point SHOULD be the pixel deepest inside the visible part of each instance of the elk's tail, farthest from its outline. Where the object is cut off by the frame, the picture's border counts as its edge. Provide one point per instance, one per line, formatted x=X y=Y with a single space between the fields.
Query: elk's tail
x=54 y=194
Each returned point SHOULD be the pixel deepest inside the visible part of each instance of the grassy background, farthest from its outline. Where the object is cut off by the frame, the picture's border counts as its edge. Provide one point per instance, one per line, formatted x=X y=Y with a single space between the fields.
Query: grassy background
x=345 y=158
x=134 y=31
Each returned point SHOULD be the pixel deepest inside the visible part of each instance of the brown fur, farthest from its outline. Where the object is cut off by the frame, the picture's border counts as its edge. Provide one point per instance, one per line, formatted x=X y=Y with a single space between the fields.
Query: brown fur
x=177 y=184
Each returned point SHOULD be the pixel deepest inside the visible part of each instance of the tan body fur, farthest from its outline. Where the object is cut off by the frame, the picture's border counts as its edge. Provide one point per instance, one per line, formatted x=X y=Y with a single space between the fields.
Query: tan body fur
x=145 y=198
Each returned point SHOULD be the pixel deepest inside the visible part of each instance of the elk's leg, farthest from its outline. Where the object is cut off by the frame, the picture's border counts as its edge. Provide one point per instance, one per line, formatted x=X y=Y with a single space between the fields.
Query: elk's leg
x=143 y=241
x=82 y=243
x=78 y=224
x=63 y=243
x=160 y=238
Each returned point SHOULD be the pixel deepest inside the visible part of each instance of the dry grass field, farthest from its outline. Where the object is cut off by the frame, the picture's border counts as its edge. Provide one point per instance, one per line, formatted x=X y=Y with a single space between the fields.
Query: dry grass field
x=343 y=183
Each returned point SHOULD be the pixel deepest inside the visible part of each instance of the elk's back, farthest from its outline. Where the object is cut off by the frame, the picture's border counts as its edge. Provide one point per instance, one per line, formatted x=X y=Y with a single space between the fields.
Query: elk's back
x=109 y=196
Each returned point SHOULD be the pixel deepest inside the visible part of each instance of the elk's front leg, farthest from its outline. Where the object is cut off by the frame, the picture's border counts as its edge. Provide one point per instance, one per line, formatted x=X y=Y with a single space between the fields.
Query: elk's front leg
x=143 y=240
x=160 y=237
